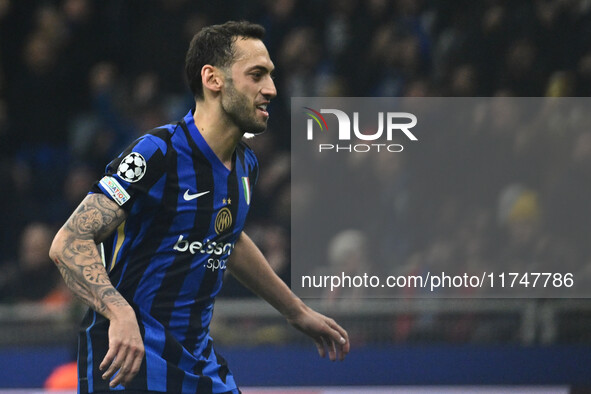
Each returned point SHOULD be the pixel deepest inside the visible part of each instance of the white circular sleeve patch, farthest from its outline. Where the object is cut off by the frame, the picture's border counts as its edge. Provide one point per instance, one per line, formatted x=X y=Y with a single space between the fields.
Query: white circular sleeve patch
x=132 y=168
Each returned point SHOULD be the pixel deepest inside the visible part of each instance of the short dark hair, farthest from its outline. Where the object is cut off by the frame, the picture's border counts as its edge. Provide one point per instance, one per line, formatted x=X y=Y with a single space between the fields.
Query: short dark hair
x=214 y=45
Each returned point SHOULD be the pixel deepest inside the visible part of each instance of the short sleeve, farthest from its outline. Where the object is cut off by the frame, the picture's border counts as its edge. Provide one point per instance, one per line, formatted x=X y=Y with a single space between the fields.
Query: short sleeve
x=134 y=172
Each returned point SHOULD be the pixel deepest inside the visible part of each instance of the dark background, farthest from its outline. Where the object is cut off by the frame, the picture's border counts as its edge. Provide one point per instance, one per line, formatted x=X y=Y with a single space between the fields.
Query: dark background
x=80 y=79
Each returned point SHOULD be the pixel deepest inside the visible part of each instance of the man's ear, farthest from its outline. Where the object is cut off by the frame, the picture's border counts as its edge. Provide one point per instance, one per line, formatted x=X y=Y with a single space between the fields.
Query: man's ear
x=212 y=78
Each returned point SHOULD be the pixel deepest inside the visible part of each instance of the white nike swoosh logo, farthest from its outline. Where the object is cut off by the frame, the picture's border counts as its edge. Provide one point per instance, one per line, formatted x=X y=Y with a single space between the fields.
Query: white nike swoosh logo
x=190 y=197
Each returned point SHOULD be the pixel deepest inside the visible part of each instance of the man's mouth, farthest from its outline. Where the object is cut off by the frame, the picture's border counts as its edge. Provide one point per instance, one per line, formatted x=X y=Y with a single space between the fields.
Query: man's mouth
x=263 y=109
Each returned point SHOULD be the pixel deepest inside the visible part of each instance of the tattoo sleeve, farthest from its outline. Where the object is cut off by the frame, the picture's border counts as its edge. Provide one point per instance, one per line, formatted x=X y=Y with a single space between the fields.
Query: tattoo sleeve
x=77 y=257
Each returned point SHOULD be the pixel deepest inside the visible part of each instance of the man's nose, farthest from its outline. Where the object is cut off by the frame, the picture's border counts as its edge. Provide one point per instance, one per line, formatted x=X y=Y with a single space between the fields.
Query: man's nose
x=269 y=90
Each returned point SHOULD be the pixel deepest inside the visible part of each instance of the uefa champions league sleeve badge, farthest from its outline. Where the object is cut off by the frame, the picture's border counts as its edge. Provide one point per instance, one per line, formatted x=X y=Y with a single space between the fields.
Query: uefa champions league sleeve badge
x=132 y=168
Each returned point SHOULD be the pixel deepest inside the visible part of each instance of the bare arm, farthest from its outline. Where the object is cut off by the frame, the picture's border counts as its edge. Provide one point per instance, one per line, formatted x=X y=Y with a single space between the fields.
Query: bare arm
x=250 y=267
x=76 y=255
x=74 y=251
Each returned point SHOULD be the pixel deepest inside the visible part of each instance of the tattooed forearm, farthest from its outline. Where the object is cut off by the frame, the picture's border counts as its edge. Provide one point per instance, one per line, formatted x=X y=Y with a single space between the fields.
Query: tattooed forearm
x=113 y=297
x=81 y=292
x=96 y=274
x=75 y=252
x=87 y=278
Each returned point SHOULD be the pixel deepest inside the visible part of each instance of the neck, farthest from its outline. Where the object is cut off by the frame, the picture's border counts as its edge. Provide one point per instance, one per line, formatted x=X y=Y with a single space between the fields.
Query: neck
x=217 y=130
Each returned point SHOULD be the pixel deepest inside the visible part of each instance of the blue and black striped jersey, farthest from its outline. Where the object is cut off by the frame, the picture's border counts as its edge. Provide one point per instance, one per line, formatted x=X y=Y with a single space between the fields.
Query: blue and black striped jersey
x=186 y=210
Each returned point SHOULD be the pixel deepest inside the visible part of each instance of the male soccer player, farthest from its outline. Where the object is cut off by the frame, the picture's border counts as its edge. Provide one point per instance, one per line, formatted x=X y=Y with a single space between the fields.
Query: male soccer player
x=169 y=213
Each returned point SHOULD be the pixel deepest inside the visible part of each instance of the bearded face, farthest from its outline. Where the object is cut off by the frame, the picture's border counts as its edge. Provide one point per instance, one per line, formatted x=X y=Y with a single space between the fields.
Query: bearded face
x=242 y=110
x=248 y=86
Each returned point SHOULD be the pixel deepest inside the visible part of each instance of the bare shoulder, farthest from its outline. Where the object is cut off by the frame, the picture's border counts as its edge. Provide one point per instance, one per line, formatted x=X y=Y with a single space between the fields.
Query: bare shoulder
x=96 y=217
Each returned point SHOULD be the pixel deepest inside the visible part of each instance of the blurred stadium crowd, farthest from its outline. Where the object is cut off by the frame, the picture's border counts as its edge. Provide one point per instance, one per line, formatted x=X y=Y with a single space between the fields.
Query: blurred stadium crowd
x=80 y=79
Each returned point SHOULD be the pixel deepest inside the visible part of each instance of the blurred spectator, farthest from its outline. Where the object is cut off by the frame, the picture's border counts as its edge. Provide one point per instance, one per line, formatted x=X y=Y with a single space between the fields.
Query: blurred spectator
x=570 y=194
x=522 y=70
x=521 y=222
x=79 y=80
x=76 y=184
x=274 y=243
x=583 y=76
x=348 y=255
x=38 y=94
x=33 y=278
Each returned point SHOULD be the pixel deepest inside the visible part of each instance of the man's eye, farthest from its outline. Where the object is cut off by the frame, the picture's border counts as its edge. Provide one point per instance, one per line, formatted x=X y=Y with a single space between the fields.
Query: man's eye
x=257 y=75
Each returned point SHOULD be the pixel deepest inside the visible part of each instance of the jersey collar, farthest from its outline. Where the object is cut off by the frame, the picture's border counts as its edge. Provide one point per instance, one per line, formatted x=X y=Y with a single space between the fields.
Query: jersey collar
x=204 y=146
